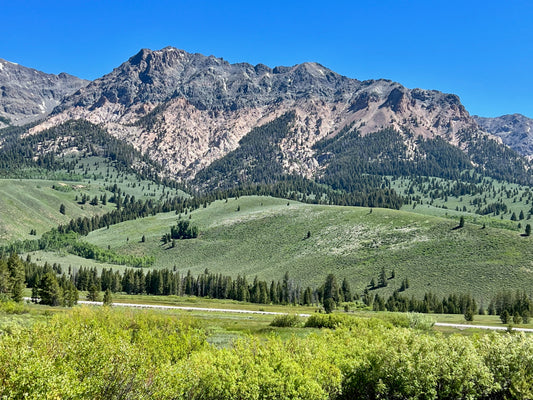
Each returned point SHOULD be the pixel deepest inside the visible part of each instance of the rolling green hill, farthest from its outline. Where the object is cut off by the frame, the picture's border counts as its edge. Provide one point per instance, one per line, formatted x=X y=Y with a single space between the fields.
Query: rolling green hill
x=34 y=204
x=267 y=237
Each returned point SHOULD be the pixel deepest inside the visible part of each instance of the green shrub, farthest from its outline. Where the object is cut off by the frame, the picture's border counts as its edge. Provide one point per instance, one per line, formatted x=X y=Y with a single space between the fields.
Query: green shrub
x=104 y=353
x=335 y=321
x=286 y=321
x=12 y=307
x=420 y=321
x=330 y=321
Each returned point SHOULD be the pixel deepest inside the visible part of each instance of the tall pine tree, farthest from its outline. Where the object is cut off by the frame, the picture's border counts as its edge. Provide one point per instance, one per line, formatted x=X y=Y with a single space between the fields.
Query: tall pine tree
x=16 y=275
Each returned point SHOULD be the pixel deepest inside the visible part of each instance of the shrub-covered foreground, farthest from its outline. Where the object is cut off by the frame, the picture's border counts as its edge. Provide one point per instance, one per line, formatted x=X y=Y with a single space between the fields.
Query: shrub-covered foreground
x=115 y=354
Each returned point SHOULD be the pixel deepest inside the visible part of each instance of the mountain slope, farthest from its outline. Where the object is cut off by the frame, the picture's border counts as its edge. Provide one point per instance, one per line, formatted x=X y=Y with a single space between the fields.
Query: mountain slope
x=27 y=95
x=263 y=236
x=188 y=110
x=516 y=131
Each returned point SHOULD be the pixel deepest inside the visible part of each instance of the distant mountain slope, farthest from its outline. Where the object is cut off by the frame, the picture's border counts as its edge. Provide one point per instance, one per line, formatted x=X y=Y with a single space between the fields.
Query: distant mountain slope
x=186 y=111
x=206 y=105
x=516 y=131
x=257 y=235
x=27 y=95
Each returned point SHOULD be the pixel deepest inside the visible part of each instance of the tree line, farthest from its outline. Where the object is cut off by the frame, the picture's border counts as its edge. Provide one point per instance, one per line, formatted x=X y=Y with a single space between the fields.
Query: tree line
x=55 y=286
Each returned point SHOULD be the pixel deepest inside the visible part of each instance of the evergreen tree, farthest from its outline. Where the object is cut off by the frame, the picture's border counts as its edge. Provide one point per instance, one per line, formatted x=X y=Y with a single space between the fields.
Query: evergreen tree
x=346 y=290
x=49 y=290
x=17 y=277
x=35 y=294
x=382 y=279
x=108 y=299
x=528 y=230
x=329 y=305
x=505 y=317
x=331 y=289
x=70 y=295
x=5 y=278
x=62 y=209
x=461 y=221
x=93 y=294
x=372 y=283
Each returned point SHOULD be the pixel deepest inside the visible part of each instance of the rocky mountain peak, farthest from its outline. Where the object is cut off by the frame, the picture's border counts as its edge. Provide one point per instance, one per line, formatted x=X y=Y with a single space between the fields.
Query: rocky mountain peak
x=188 y=110
x=27 y=95
x=515 y=130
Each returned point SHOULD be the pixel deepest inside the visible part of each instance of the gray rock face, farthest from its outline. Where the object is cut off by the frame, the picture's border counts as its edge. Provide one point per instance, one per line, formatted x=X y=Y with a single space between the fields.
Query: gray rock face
x=207 y=82
x=516 y=131
x=187 y=110
x=27 y=95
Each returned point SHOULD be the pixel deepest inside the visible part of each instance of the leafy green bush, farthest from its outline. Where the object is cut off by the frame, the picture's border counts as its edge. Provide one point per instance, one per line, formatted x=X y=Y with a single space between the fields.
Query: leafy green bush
x=286 y=321
x=420 y=321
x=334 y=321
x=12 y=307
x=94 y=353
x=89 y=353
x=330 y=321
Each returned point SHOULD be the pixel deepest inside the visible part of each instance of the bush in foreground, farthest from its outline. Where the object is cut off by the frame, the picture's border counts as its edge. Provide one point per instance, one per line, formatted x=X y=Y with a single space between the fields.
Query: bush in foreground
x=286 y=321
x=110 y=354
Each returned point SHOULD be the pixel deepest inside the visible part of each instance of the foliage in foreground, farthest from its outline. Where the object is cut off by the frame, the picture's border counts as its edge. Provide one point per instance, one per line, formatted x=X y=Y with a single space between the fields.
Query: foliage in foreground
x=108 y=354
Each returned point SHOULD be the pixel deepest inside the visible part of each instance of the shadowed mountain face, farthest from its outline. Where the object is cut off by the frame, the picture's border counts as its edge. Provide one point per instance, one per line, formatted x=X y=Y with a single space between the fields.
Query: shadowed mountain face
x=516 y=131
x=27 y=95
x=187 y=111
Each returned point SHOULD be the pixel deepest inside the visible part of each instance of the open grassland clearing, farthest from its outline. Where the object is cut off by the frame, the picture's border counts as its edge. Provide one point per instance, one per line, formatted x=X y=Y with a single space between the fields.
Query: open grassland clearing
x=268 y=237
x=34 y=204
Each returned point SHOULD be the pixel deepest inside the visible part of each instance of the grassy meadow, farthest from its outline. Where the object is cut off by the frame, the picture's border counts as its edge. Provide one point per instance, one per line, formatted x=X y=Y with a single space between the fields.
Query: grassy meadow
x=267 y=237
x=28 y=204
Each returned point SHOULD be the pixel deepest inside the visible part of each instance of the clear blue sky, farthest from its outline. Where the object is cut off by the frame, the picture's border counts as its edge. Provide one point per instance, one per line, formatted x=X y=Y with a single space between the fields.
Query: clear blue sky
x=480 y=50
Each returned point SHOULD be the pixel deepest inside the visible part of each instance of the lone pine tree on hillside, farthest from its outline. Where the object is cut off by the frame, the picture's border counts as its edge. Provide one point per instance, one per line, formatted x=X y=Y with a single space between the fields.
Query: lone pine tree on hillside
x=382 y=279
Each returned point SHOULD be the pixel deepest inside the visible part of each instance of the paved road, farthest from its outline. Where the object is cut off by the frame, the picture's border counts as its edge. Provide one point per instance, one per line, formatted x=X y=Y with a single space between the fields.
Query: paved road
x=224 y=310
x=494 y=328
x=230 y=310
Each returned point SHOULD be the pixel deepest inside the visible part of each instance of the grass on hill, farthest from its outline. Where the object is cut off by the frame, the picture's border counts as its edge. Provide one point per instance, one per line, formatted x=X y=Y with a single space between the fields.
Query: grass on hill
x=516 y=198
x=33 y=204
x=268 y=237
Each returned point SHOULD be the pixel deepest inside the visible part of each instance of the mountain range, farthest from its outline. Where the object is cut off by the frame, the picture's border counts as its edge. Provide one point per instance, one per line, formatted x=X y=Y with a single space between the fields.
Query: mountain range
x=27 y=95
x=516 y=131
x=217 y=124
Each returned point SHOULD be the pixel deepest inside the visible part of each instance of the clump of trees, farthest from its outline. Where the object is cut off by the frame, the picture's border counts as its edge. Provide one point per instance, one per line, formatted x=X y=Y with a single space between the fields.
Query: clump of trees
x=514 y=307
x=182 y=230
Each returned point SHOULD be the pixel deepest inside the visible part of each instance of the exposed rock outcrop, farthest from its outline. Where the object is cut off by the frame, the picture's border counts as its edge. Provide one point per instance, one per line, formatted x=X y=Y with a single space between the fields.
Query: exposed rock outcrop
x=187 y=110
x=516 y=131
x=27 y=95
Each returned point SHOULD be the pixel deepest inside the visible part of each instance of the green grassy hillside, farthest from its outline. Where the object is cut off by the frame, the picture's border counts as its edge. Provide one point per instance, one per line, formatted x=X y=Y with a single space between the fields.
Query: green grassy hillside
x=34 y=204
x=267 y=238
x=28 y=204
